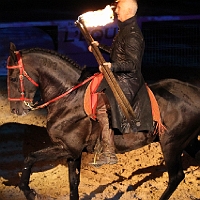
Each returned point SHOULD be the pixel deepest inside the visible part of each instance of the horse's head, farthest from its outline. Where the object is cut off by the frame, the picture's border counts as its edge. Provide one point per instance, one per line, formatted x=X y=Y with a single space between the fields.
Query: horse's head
x=22 y=86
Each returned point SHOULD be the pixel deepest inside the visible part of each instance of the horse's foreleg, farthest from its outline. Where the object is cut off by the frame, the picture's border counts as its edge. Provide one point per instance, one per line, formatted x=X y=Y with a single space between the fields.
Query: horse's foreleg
x=50 y=153
x=25 y=177
x=74 y=177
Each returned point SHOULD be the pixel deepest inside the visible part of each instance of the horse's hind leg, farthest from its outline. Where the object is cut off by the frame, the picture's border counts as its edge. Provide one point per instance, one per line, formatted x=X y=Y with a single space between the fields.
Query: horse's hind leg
x=175 y=173
x=50 y=153
x=172 y=148
x=172 y=156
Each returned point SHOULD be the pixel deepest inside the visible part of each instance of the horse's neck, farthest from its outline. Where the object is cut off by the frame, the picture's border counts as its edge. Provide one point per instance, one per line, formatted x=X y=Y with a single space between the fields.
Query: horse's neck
x=55 y=76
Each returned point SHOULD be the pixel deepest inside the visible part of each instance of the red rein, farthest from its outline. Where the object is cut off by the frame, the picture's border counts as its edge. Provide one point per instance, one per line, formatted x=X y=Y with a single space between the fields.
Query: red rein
x=23 y=74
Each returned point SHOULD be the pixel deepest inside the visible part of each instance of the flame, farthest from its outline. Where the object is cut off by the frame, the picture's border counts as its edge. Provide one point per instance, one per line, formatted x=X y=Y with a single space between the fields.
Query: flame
x=99 y=17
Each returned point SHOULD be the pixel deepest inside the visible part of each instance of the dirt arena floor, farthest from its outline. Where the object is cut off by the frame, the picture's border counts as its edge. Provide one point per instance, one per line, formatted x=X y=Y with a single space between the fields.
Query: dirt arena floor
x=139 y=175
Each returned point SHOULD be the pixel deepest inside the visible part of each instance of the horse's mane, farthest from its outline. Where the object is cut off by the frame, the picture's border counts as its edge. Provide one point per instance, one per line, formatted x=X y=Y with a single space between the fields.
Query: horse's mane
x=52 y=53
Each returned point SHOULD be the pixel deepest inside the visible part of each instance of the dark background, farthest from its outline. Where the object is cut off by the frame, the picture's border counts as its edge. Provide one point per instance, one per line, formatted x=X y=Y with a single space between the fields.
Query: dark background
x=32 y=10
x=179 y=52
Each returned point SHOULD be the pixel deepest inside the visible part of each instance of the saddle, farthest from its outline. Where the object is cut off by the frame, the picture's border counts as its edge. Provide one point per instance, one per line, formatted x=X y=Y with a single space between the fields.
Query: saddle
x=90 y=103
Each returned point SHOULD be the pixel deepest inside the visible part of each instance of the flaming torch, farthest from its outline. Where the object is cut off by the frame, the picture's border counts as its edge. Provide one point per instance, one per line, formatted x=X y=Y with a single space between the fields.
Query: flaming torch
x=91 y=19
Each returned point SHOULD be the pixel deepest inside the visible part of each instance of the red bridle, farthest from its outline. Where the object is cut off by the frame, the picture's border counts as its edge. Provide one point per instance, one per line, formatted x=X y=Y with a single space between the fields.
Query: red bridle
x=22 y=74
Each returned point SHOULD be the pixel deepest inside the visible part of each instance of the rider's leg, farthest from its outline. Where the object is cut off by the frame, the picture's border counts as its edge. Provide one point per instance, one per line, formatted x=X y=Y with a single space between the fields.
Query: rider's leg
x=108 y=155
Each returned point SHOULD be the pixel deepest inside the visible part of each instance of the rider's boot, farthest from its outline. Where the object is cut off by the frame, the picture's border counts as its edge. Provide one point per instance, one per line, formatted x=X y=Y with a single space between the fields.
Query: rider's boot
x=108 y=155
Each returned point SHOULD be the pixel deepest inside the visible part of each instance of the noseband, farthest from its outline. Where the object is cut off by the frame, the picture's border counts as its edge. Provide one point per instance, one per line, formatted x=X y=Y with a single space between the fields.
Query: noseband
x=22 y=74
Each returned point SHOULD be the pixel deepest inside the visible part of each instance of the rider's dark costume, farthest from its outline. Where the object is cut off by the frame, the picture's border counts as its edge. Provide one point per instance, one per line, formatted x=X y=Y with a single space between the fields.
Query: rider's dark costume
x=126 y=55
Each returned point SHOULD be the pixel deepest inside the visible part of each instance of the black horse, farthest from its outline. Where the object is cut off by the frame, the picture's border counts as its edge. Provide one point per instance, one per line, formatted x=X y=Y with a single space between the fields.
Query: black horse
x=73 y=131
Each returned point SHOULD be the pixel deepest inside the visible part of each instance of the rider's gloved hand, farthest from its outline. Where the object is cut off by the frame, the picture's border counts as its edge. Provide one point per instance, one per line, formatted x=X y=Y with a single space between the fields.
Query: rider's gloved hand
x=106 y=63
x=95 y=43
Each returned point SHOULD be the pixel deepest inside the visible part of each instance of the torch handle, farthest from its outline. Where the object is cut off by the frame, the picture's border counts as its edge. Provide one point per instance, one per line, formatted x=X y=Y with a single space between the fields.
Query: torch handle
x=89 y=39
x=118 y=93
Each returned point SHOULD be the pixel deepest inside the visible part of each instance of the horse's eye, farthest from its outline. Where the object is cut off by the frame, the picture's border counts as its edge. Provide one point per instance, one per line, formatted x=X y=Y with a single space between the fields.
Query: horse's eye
x=13 y=79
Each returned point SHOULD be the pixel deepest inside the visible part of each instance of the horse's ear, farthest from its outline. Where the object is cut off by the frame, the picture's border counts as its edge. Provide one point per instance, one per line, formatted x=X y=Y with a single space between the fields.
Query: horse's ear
x=12 y=46
x=13 y=57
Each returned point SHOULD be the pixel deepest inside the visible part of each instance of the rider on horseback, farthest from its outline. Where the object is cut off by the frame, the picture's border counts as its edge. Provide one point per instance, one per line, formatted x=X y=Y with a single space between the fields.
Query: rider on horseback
x=126 y=56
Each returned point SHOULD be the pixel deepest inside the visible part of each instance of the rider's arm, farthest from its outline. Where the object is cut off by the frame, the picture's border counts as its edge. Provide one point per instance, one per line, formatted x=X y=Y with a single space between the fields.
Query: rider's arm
x=133 y=52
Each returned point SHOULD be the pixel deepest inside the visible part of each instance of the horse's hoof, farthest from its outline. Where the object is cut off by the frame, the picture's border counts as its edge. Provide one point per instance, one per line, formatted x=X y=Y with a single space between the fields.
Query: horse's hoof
x=32 y=195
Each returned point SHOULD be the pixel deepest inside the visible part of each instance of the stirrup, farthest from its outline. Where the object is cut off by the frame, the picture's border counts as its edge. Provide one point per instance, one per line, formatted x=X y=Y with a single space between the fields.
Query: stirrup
x=109 y=158
x=97 y=151
x=94 y=163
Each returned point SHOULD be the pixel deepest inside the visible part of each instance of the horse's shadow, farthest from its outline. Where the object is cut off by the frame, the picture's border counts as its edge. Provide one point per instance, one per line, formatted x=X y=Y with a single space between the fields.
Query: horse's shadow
x=155 y=172
x=17 y=142
x=152 y=171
